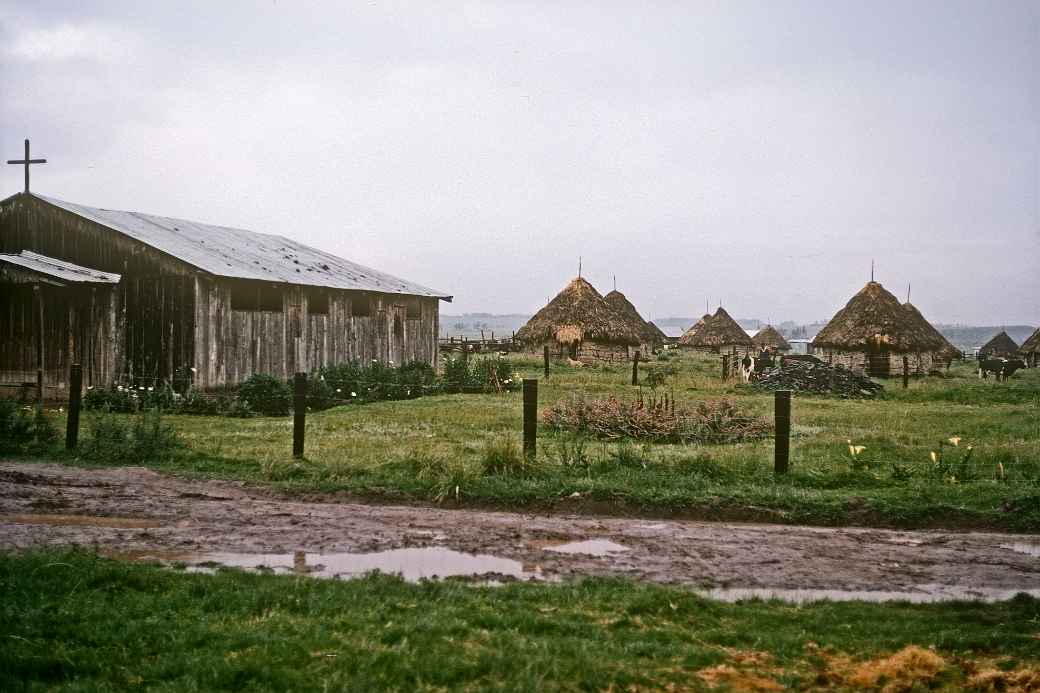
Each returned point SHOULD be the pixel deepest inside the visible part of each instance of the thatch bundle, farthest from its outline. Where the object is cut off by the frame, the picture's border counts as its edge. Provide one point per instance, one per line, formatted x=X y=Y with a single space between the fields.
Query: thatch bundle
x=717 y=330
x=659 y=335
x=578 y=314
x=1000 y=345
x=769 y=338
x=876 y=317
x=620 y=303
x=948 y=352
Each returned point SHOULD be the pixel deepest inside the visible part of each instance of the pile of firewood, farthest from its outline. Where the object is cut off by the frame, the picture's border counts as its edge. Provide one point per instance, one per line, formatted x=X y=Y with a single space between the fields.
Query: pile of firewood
x=818 y=378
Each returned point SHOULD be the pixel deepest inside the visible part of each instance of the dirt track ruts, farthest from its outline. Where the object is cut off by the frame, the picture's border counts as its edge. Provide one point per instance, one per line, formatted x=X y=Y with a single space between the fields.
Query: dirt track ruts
x=208 y=516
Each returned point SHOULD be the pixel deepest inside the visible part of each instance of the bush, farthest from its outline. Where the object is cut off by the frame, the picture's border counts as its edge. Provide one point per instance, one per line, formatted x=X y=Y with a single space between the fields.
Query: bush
x=22 y=428
x=266 y=394
x=656 y=420
x=114 y=439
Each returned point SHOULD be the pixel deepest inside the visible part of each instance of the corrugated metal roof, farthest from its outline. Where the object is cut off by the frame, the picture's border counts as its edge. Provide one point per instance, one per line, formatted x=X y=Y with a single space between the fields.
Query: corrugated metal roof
x=59 y=269
x=229 y=252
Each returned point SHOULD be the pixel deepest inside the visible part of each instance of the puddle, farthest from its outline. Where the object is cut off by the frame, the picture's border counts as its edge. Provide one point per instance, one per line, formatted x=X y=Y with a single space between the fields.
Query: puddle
x=81 y=521
x=589 y=547
x=1022 y=547
x=411 y=564
x=921 y=594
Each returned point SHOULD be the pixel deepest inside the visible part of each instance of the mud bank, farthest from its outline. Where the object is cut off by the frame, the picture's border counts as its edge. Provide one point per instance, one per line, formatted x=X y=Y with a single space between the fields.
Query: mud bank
x=136 y=513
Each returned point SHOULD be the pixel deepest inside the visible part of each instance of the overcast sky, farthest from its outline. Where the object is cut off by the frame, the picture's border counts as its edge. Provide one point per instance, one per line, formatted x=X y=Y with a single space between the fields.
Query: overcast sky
x=759 y=154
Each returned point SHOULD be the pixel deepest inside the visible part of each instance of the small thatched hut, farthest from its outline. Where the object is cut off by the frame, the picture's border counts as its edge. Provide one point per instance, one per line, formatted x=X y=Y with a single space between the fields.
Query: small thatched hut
x=648 y=338
x=1001 y=346
x=1030 y=349
x=769 y=339
x=872 y=334
x=948 y=352
x=718 y=333
x=579 y=324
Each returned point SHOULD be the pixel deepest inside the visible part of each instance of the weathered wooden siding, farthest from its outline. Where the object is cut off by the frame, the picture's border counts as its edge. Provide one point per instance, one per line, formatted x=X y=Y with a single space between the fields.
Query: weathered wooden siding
x=156 y=291
x=234 y=344
x=79 y=324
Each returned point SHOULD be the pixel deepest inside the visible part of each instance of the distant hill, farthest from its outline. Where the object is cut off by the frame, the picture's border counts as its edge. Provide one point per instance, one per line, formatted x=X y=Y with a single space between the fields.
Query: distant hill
x=967 y=337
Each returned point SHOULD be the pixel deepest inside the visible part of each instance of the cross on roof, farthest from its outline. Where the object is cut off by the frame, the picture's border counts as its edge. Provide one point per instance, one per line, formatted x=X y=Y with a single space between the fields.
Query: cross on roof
x=26 y=161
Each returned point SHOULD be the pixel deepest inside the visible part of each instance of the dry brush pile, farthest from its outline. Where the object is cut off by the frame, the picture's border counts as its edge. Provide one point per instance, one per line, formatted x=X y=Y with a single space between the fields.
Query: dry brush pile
x=656 y=420
x=818 y=378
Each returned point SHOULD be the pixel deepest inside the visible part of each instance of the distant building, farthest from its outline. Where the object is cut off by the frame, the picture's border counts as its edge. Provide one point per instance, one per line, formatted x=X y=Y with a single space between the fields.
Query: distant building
x=718 y=333
x=1000 y=346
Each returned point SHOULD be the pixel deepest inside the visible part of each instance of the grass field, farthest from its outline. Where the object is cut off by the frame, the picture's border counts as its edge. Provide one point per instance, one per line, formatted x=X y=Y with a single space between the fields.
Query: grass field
x=74 y=621
x=456 y=449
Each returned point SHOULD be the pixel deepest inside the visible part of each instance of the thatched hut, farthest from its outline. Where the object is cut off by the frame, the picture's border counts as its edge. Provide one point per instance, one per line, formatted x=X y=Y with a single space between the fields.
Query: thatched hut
x=579 y=324
x=659 y=336
x=1001 y=346
x=648 y=338
x=718 y=333
x=872 y=334
x=1030 y=349
x=948 y=352
x=770 y=339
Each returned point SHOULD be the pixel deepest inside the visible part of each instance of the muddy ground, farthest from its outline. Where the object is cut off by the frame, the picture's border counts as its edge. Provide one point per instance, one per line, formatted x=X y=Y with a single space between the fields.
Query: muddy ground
x=135 y=512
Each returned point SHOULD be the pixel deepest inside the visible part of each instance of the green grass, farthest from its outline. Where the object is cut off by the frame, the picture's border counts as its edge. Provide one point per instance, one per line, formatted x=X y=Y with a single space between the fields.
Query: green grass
x=74 y=621
x=443 y=448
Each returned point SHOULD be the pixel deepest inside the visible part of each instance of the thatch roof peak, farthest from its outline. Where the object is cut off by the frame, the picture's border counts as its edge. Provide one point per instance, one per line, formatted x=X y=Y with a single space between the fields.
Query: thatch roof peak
x=619 y=302
x=1001 y=344
x=1031 y=345
x=578 y=313
x=770 y=337
x=874 y=315
x=716 y=330
x=658 y=332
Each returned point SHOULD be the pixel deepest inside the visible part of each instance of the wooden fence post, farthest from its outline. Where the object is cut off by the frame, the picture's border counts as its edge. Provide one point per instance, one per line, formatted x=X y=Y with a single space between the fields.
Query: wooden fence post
x=635 y=369
x=39 y=389
x=530 y=417
x=299 y=412
x=75 y=395
x=782 y=443
x=906 y=372
x=725 y=366
x=545 y=355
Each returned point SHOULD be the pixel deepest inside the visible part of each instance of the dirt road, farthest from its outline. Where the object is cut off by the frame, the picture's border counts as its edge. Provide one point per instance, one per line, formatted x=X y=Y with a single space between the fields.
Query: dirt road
x=135 y=513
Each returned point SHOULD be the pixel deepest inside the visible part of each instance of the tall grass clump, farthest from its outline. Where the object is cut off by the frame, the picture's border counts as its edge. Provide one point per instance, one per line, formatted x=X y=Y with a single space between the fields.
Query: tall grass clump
x=24 y=428
x=148 y=438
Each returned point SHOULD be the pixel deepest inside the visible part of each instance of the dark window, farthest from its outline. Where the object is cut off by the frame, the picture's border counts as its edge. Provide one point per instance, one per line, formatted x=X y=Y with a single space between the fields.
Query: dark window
x=250 y=296
x=361 y=306
x=414 y=309
x=317 y=302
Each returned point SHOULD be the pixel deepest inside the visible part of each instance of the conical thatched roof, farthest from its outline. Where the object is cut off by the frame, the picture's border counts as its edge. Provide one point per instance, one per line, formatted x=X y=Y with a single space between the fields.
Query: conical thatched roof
x=769 y=338
x=1000 y=345
x=1030 y=346
x=619 y=302
x=876 y=316
x=578 y=313
x=659 y=334
x=689 y=337
x=717 y=330
x=948 y=351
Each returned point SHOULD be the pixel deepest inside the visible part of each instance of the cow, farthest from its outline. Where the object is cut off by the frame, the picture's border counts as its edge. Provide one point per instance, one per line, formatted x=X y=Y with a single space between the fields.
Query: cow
x=1001 y=368
x=747 y=367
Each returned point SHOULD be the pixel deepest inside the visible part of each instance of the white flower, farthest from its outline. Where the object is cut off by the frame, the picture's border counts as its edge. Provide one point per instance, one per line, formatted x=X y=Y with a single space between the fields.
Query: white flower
x=90 y=387
x=194 y=371
x=353 y=394
x=150 y=389
x=120 y=388
x=338 y=390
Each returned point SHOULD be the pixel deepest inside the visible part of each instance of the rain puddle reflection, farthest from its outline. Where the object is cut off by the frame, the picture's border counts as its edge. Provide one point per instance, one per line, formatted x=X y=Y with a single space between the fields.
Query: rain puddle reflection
x=589 y=547
x=921 y=594
x=1023 y=547
x=81 y=521
x=411 y=564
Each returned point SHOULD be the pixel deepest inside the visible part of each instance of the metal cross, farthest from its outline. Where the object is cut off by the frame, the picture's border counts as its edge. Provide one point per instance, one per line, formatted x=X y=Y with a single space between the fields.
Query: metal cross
x=26 y=161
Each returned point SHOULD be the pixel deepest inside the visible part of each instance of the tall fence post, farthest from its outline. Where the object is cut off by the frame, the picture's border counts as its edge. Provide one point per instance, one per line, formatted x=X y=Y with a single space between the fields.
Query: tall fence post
x=299 y=412
x=75 y=395
x=39 y=389
x=725 y=366
x=906 y=372
x=545 y=355
x=782 y=443
x=635 y=369
x=530 y=417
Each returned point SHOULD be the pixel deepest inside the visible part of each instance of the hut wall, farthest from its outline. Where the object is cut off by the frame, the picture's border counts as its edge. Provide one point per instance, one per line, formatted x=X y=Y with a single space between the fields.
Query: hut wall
x=155 y=298
x=721 y=349
x=587 y=352
x=919 y=364
x=315 y=327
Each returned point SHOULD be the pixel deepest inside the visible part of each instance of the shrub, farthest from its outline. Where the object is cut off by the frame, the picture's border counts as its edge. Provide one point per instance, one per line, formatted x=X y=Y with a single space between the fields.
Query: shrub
x=266 y=394
x=502 y=456
x=656 y=420
x=112 y=439
x=21 y=430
